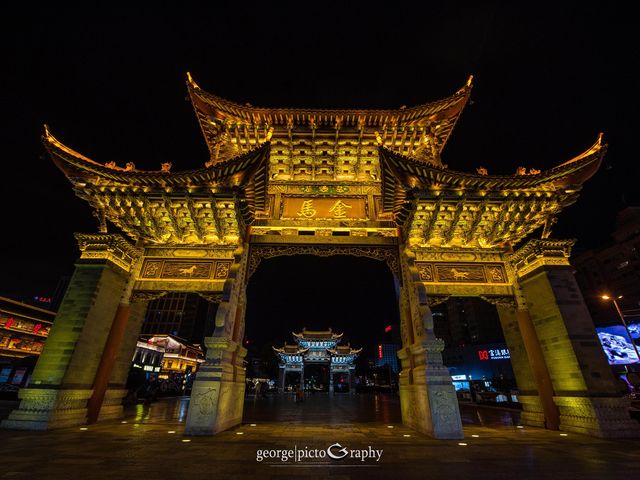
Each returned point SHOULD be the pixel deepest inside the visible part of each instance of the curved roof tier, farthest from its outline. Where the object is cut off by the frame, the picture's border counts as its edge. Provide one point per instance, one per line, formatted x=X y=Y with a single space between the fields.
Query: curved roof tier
x=442 y=207
x=317 y=335
x=421 y=131
x=207 y=205
x=290 y=350
x=344 y=350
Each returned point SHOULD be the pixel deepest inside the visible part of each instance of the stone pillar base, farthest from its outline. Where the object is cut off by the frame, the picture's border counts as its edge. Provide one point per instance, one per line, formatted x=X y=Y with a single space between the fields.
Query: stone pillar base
x=532 y=411
x=217 y=396
x=46 y=409
x=215 y=407
x=112 y=408
x=430 y=404
x=605 y=417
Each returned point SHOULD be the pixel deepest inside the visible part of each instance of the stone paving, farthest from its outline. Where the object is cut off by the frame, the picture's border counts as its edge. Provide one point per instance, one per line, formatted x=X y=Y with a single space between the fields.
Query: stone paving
x=150 y=445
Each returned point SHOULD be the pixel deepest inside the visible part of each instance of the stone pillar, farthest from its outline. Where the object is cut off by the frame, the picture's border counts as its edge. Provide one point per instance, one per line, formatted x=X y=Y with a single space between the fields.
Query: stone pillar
x=538 y=408
x=62 y=380
x=351 y=389
x=217 y=396
x=330 y=380
x=427 y=397
x=585 y=389
x=116 y=391
x=302 y=377
x=283 y=376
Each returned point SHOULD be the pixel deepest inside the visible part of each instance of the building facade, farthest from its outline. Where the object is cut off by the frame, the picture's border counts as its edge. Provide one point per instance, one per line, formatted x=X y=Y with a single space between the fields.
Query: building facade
x=179 y=314
x=23 y=331
x=613 y=269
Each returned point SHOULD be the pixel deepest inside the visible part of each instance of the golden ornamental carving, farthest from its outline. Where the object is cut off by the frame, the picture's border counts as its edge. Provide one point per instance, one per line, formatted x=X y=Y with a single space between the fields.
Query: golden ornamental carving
x=500 y=301
x=259 y=252
x=426 y=272
x=152 y=269
x=160 y=268
x=213 y=297
x=434 y=300
x=222 y=269
x=146 y=296
x=477 y=272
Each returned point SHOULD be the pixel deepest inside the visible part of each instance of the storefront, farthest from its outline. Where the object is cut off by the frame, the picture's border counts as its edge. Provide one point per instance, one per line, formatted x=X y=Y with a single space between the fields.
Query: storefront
x=482 y=373
x=23 y=331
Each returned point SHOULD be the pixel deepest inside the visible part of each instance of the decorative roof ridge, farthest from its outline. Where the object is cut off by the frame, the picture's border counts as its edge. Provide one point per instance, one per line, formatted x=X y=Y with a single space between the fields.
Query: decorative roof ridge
x=592 y=153
x=317 y=332
x=98 y=168
x=210 y=98
x=282 y=349
x=595 y=148
x=51 y=140
x=352 y=351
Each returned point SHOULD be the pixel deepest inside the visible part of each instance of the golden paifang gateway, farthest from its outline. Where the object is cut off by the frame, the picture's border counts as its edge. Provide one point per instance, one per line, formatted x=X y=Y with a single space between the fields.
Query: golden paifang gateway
x=326 y=182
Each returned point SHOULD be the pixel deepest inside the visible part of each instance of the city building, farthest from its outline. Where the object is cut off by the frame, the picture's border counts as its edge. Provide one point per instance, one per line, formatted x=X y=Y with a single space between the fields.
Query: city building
x=180 y=314
x=163 y=365
x=179 y=357
x=23 y=331
x=318 y=348
x=466 y=321
x=387 y=355
x=475 y=350
x=147 y=358
x=487 y=362
x=386 y=350
x=613 y=269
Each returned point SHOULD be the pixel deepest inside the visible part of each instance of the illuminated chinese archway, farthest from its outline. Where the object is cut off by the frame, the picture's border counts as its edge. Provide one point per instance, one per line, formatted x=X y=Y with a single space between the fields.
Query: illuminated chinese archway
x=303 y=181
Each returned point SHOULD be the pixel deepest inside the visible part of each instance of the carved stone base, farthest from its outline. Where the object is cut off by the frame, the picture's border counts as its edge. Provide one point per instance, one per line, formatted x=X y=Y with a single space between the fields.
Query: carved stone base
x=217 y=396
x=606 y=417
x=112 y=405
x=429 y=404
x=532 y=411
x=45 y=409
x=215 y=406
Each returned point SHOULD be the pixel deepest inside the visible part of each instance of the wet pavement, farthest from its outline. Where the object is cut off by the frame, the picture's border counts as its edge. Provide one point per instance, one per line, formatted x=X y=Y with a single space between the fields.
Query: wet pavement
x=150 y=444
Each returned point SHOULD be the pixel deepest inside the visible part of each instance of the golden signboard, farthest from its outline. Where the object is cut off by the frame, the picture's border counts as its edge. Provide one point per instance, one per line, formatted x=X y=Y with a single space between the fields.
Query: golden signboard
x=338 y=208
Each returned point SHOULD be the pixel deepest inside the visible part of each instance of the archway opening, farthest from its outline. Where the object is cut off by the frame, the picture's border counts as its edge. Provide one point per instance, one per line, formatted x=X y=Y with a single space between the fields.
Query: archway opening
x=479 y=360
x=354 y=297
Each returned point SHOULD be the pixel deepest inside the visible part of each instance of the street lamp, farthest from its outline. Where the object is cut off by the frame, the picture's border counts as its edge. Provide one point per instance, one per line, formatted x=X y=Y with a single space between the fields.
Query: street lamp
x=615 y=303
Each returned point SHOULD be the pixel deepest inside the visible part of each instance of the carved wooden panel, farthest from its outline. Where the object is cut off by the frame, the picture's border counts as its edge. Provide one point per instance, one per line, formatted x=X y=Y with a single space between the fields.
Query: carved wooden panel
x=460 y=272
x=188 y=270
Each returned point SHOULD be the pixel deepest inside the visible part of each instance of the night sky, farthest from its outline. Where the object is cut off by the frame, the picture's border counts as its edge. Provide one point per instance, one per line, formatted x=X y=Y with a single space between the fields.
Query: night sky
x=111 y=84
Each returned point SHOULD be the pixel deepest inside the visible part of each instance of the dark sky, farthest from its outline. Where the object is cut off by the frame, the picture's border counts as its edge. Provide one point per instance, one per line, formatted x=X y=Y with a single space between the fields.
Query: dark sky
x=111 y=84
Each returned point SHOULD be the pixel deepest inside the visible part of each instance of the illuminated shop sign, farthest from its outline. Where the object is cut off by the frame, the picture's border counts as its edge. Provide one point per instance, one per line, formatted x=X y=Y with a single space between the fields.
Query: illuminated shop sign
x=146 y=368
x=458 y=377
x=494 y=354
x=24 y=325
x=380 y=351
